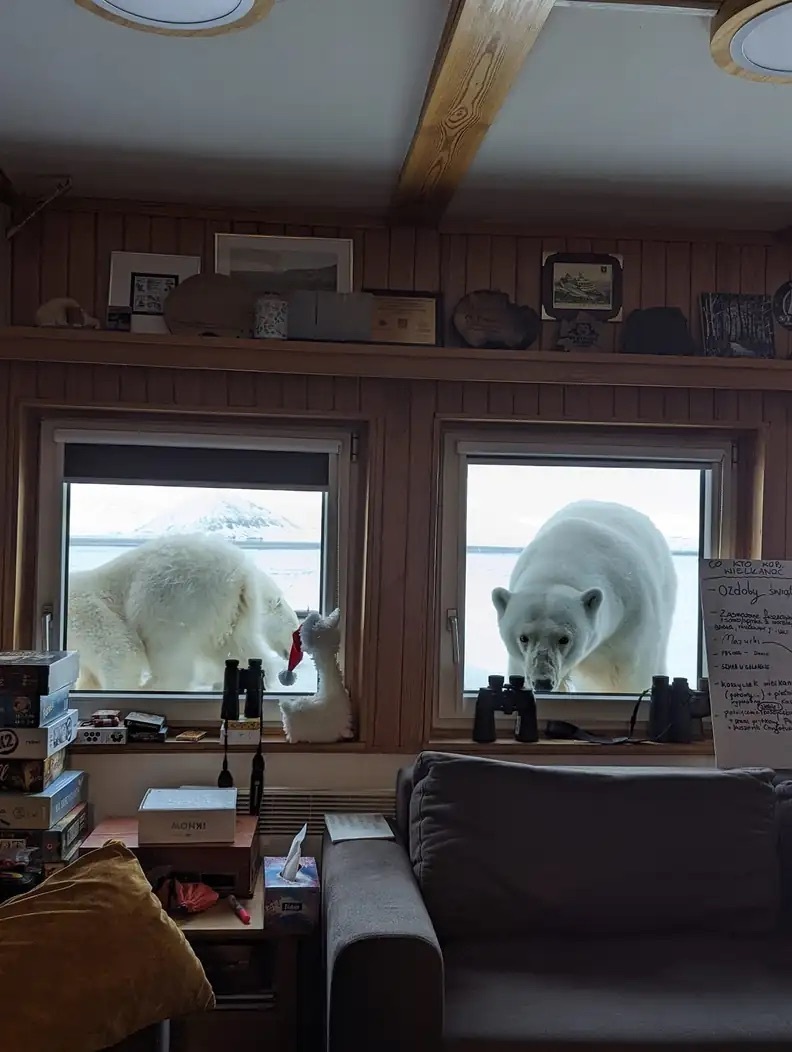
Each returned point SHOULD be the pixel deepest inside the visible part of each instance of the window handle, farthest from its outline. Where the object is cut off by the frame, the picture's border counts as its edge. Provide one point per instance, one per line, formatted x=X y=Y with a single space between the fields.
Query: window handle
x=452 y=619
x=46 y=628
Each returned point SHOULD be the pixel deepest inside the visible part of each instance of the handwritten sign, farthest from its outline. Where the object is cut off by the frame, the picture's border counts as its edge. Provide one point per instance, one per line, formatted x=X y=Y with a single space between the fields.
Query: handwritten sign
x=747 y=607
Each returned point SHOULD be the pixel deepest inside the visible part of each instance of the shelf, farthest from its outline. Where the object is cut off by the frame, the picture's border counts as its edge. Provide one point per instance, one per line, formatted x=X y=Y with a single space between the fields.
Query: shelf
x=391 y=361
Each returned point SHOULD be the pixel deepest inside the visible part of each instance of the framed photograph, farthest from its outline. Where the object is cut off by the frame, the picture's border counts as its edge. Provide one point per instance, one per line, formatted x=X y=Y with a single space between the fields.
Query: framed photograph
x=140 y=282
x=280 y=265
x=406 y=317
x=579 y=281
x=737 y=325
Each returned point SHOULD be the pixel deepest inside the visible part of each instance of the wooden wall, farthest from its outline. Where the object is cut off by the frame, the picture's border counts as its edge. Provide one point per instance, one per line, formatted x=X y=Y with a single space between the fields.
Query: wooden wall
x=67 y=252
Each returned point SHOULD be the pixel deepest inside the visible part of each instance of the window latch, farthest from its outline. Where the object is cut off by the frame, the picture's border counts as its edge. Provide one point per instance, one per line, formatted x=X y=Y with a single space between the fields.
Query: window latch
x=452 y=620
x=46 y=628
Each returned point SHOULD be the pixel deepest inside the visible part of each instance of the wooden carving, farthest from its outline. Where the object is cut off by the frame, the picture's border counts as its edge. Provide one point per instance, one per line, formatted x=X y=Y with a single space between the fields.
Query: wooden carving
x=490 y=319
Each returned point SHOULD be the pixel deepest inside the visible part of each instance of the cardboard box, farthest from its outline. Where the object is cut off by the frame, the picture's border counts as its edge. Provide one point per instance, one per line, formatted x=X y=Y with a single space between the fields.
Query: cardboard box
x=35 y=672
x=177 y=816
x=330 y=315
x=55 y=865
x=291 y=905
x=43 y=810
x=36 y=743
x=56 y=843
x=229 y=868
x=242 y=732
x=18 y=709
x=31 y=776
x=87 y=734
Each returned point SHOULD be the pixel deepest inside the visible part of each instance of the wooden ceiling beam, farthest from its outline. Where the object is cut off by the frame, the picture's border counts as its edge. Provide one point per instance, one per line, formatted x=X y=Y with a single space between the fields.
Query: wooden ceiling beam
x=482 y=49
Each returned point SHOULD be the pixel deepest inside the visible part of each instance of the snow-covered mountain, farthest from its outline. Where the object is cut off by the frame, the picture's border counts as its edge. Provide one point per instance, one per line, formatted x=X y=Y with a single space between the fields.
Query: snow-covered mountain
x=236 y=519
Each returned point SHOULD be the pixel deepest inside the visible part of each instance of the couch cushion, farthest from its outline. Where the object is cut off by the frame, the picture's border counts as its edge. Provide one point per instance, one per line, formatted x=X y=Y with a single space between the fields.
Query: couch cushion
x=507 y=849
x=633 y=991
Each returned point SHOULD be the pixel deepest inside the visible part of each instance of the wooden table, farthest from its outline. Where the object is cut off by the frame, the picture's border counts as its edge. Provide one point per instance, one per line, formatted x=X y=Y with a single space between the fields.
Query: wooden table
x=250 y=1016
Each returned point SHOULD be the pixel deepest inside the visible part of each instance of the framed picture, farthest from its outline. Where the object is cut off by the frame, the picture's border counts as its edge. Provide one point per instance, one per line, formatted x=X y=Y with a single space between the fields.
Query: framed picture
x=280 y=265
x=737 y=325
x=140 y=282
x=406 y=317
x=579 y=281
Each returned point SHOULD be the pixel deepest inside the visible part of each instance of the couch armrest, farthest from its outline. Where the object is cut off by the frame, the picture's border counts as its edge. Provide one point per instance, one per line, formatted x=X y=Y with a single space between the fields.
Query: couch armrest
x=384 y=963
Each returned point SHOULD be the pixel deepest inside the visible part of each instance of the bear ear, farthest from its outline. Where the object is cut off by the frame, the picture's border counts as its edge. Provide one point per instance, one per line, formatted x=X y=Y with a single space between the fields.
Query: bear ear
x=500 y=600
x=591 y=600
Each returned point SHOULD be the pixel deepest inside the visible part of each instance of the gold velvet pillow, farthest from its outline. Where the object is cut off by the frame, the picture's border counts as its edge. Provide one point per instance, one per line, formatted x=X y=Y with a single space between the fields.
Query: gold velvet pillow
x=89 y=957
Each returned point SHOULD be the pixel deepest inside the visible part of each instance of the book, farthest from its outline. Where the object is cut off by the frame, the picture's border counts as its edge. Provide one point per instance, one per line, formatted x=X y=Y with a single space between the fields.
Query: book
x=357 y=827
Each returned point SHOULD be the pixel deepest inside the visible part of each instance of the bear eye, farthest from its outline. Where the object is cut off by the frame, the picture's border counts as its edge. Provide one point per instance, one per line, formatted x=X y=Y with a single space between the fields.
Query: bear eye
x=562 y=642
x=524 y=638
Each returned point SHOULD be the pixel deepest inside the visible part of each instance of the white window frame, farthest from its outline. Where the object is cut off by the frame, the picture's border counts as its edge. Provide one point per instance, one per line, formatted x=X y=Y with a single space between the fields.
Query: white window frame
x=51 y=537
x=453 y=709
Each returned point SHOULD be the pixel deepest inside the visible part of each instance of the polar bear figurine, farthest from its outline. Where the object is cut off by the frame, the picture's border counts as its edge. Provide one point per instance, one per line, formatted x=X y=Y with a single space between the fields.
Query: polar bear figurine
x=165 y=616
x=590 y=602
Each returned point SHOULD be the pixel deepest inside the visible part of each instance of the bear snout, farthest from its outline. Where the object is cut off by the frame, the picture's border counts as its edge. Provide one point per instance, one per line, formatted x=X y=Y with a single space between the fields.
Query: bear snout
x=543 y=684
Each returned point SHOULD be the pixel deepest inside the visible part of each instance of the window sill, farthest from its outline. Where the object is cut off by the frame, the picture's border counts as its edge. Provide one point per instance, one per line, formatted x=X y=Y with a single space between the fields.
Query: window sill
x=212 y=744
x=544 y=747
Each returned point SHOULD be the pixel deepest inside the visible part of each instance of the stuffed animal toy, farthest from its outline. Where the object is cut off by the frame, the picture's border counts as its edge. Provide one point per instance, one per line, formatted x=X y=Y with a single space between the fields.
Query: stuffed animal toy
x=327 y=716
x=64 y=313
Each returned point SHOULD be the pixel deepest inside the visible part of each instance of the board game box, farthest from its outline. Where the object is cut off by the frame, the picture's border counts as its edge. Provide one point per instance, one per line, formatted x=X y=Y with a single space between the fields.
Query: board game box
x=43 y=810
x=31 y=776
x=56 y=843
x=18 y=709
x=36 y=743
x=34 y=672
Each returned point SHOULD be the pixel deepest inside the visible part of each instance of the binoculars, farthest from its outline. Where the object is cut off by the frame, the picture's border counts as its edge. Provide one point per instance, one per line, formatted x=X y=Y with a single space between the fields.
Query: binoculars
x=248 y=681
x=676 y=711
x=507 y=698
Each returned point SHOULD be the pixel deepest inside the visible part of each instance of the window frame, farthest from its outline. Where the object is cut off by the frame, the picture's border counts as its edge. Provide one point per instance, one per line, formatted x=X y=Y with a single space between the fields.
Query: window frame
x=51 y=562
x=452 y=709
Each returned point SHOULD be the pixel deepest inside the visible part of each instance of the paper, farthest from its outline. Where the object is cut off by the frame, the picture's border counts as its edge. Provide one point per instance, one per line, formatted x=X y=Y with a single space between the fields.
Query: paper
x=357 y=827
x=747 y=607
x=291 y=867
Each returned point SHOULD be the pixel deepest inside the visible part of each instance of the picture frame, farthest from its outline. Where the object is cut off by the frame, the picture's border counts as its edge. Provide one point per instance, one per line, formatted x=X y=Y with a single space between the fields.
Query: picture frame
x=737 y=325
x=140 y=282
x=273 y=265
x=406 y=317
x=582 y=281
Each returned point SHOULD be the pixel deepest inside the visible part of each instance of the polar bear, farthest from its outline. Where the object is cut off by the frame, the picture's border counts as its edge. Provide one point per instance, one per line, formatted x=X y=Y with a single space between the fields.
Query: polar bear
x=165 y=616
x=591 y=602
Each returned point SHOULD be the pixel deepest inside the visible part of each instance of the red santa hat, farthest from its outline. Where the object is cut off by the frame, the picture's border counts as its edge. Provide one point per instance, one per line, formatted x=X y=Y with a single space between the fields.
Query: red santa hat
x=288 y=676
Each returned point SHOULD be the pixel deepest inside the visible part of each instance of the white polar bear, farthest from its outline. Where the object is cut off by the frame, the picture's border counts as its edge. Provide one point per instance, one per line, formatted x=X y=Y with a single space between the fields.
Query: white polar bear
x=166 y=615
x=591 y=602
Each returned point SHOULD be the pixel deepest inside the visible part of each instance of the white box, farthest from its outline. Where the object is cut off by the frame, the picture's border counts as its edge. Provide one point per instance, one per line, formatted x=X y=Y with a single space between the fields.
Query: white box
x=178 y=816
x=37 y=743
x=87 y=734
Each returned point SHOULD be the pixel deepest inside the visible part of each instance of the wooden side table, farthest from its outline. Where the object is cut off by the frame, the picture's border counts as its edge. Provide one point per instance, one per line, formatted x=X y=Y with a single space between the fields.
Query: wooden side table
x=253 y=971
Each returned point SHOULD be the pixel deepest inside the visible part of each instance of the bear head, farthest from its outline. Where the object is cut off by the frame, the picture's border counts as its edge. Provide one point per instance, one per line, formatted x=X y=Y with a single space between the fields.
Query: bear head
x=549 y=631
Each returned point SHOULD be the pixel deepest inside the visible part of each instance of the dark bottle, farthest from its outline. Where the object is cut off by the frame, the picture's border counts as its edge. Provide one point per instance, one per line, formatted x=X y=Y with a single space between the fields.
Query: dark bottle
x=230 y=708
x=254 y=689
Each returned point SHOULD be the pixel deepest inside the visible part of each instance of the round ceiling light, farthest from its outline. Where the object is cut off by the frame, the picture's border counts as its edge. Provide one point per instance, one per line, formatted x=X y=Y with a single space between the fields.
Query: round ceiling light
x=181 y=17
x=753 y=39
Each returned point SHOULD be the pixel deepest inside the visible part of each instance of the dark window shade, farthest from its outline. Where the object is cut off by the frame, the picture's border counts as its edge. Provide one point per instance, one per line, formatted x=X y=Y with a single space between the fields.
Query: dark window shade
x=178 y=465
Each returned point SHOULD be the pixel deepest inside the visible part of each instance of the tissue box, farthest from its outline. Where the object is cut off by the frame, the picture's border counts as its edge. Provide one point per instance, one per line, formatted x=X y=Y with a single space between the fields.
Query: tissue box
x=177 y=816
x=291 y=905
x=330 y=315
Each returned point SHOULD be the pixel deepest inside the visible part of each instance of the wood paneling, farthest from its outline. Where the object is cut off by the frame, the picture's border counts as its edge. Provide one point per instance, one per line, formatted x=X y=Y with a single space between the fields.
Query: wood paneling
x=397 y=397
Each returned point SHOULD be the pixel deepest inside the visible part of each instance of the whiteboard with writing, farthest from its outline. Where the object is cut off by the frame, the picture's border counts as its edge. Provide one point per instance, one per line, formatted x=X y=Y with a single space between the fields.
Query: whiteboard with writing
x=747 y=608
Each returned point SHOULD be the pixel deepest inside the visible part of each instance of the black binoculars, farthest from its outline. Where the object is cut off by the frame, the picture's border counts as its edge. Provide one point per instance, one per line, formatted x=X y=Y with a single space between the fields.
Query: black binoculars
x=248 y=681
x=676 y=711
x=506 y=698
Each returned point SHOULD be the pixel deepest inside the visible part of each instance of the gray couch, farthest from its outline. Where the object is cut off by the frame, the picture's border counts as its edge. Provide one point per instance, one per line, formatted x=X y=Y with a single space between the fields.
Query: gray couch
x=630 y=908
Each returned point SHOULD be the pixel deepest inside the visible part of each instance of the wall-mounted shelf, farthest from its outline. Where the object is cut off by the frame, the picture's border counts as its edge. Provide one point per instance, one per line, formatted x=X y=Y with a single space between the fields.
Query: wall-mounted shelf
x=391 y=361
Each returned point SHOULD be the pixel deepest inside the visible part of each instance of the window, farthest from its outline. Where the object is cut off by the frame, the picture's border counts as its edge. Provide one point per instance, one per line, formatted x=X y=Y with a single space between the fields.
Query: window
x=500 y=489
x=163 y=553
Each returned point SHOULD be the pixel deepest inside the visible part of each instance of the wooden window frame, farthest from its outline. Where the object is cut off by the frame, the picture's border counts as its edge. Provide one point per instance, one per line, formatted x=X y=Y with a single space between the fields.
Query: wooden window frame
x=452 y=709
x=339 y=531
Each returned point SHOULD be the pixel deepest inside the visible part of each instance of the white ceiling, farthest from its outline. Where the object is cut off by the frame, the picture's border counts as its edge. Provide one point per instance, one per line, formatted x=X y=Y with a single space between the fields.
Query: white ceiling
x=619 y=116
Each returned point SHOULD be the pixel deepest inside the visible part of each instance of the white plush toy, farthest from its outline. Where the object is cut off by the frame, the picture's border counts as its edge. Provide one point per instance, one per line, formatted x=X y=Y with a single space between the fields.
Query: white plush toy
x=327 y=716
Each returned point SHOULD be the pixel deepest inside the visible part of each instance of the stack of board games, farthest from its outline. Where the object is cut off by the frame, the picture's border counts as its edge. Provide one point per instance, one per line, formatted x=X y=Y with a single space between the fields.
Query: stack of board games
x=43 y=807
